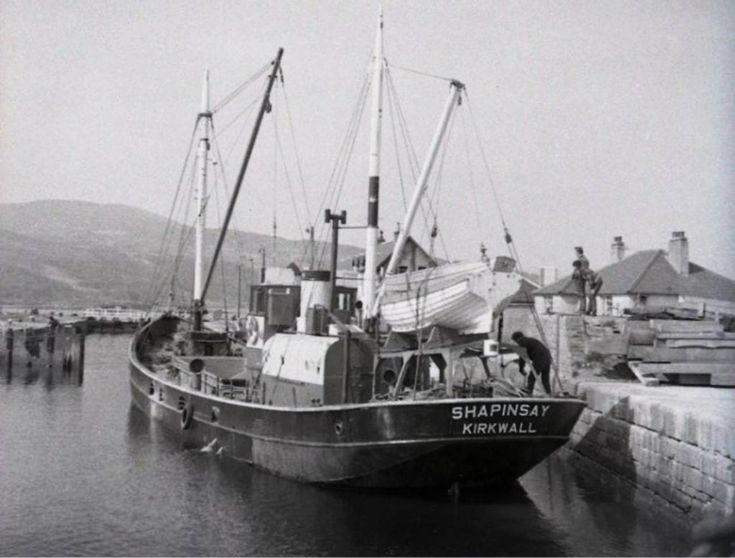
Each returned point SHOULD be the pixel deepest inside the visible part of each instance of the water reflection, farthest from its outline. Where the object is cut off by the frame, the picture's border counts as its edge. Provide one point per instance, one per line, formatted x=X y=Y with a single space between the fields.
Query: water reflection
x=50 y=375
x=270 y=515
x=599 y=513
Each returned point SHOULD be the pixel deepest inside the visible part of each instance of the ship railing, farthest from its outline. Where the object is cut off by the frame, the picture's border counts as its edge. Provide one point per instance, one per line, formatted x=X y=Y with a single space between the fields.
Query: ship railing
x=214 y=385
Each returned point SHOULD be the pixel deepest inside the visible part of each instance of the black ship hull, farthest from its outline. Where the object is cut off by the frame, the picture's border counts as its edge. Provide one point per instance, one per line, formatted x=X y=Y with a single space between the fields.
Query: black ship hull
x=384 y=444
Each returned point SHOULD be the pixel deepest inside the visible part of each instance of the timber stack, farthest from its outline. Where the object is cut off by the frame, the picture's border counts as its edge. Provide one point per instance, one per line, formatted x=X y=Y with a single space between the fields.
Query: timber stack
x=684 y=352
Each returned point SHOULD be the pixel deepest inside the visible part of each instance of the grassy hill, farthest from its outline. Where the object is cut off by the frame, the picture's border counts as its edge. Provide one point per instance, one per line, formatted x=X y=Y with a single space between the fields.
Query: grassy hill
x=74 y=253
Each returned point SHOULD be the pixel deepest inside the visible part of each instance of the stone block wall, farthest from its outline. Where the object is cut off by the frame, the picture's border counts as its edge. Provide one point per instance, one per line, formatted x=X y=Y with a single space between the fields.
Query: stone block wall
x=672 y=446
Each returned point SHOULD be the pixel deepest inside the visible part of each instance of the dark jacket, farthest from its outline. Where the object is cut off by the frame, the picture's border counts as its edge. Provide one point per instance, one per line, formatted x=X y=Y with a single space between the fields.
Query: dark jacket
x=537 y=352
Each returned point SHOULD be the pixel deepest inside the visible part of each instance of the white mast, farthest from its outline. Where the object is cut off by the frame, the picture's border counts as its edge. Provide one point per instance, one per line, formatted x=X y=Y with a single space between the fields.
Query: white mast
x=371 y=241
x=454 y=93
x=202 y=155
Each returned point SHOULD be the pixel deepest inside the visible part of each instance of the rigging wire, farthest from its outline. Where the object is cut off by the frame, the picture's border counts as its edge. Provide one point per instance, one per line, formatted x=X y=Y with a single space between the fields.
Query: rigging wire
x=396 y=150
x=330 y=182
x=336 y=180
x=183 y=230
x=487 y=166
x=426 y=203
x=300 y=172
x=222 y=262
x=329 y=191
x=296 y=151
x=245 y=123
x=287 y=179
x=244 y=111
x=509 y=241
x=406 y=136
x=421 y=73
x=478 y=220
x=164 y=240
x=221 y=166
x=240 y=88
x=438 y=185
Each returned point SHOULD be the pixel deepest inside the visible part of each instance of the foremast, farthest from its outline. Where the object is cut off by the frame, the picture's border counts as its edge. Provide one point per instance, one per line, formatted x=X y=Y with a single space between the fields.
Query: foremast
x=455 y=91
x=205 y=120
x=371 y=241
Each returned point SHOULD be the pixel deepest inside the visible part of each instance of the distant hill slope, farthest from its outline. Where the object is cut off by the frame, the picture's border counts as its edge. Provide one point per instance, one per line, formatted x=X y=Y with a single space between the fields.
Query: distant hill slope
x=82 y=253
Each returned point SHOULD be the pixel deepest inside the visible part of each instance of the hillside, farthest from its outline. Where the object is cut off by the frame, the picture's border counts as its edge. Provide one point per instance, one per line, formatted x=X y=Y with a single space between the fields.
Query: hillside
x=74 y=253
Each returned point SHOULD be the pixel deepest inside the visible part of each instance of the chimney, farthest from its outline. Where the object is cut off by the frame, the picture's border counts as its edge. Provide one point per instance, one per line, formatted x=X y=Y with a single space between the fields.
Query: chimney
x=679 y=252
x=617 y=249
x=397 y=232
x=547 y=275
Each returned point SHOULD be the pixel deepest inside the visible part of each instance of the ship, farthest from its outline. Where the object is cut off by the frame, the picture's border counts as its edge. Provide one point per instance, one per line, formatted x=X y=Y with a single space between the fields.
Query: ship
x=336 y=385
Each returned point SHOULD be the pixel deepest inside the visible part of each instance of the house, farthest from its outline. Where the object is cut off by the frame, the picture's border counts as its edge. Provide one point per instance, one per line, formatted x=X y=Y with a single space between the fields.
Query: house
x=646 y=279
x=413 y=257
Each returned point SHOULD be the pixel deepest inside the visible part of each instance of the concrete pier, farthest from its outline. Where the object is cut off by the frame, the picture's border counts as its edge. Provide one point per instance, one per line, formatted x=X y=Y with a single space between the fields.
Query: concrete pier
x=58 y=348
x=676 y=443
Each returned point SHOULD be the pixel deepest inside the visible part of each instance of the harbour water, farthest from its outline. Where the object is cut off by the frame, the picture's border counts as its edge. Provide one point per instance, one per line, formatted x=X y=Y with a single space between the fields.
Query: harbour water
x=84 y=473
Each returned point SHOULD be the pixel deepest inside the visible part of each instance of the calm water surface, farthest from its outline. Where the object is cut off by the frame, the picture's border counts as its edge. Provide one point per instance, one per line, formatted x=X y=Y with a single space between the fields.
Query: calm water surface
x=83 y=473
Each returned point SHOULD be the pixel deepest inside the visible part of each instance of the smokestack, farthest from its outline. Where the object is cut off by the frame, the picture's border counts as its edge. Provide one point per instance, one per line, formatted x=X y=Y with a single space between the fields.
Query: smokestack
x=547 y=275
x=617 y=249
x=679 y=252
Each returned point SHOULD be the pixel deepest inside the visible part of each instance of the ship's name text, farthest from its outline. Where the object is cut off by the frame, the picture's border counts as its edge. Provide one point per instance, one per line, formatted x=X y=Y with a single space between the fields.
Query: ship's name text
x=463 y=412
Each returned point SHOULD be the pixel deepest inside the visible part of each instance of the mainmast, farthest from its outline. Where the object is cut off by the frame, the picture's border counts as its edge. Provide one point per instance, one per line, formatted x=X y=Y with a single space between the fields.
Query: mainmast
x=371 y=243
x=204 y=118
x=452 y=101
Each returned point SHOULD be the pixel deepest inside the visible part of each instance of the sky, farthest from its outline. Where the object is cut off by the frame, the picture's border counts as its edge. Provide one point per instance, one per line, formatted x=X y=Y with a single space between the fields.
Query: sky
x=597 y=119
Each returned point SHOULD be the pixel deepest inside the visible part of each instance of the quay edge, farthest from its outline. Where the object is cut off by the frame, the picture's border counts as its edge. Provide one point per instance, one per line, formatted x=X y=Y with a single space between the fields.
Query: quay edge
x=673 y=444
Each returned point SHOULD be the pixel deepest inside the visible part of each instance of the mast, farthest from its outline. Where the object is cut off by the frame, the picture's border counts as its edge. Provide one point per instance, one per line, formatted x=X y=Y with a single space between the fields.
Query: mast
x=201 y=193
x=455 y=90
x=371 y=241
x=264 y=106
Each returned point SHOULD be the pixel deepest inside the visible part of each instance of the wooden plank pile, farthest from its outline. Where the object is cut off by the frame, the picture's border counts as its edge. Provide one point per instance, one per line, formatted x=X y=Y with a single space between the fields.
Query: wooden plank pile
x=681 y=352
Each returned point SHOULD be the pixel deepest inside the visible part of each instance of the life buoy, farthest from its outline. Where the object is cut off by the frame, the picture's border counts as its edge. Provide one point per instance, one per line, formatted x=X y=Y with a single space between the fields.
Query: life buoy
x=187 y=416
x=252 y=329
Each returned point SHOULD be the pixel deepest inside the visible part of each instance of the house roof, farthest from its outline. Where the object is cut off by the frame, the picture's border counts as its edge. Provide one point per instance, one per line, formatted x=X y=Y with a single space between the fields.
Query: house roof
x=649 y=272
x=522 y=297
x=385 y=249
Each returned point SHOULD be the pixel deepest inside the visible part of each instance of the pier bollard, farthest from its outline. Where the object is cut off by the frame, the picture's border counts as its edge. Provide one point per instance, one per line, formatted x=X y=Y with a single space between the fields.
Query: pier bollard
x=81 y=340
x=9 y=343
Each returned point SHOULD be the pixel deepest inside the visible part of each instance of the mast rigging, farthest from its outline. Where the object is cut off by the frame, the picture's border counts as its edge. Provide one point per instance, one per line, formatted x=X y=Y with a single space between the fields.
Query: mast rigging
x=265 y=105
